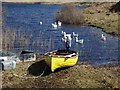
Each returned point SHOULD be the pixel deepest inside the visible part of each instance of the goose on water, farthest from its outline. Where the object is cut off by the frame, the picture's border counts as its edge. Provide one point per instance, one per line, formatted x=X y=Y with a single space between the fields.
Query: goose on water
x=103 y=37
x=81 y=41
x=64 y=38
x=75 y=35
x=68 y=36
x=54 y=25
x=62 y=33
x=40 y=22
x=69 y=40
x=59 y=23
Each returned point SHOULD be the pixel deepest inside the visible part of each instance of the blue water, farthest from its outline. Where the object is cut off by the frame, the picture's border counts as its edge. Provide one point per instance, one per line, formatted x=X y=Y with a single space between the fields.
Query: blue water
x=24 y=20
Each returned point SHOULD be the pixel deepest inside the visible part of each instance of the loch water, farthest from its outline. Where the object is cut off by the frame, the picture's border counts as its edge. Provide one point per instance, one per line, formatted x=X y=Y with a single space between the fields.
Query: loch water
x=24 y=32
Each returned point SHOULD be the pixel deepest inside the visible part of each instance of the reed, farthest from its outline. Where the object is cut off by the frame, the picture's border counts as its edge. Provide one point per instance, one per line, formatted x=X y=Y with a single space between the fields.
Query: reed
x=70 y=15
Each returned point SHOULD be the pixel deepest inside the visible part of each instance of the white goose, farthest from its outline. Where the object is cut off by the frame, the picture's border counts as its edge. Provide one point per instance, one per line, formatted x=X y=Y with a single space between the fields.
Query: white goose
x=40 y=22
x=54 y=25
x=62 y=33
x=59 y=23
x=81 y=41
x=69 y=39
x=75 y=35
x=64 y=38
x=103 y=37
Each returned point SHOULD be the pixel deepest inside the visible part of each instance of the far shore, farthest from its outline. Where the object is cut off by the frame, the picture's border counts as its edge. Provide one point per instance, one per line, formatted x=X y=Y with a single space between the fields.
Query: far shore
x=98 y=15
x=58 y=3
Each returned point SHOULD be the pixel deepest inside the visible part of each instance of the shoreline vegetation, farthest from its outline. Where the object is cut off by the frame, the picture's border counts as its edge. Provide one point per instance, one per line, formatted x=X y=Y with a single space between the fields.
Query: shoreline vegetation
x=70 y=15
x=98 y=14
x=101 y=15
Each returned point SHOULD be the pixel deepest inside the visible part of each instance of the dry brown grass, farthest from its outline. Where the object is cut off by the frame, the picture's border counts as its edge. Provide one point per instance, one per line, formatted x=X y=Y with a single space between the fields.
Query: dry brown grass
x=81 y=75
x=70 y=15
x=100 y=16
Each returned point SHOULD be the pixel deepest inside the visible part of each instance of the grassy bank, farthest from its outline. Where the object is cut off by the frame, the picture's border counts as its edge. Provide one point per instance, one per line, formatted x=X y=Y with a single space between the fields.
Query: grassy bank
x=82 y=75
x=101 y=16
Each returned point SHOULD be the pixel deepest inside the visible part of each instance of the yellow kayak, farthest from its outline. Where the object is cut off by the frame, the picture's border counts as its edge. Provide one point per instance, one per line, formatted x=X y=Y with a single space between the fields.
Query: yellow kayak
x=61 y=58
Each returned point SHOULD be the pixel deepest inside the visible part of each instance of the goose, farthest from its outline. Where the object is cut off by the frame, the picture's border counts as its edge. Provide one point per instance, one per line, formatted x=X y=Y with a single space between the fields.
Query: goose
x=68 y=41
x=69 y=37
x=59 y=23
x=62 y=33
x=64 y=38
x=54 y=25
x=81 y=41
x=103 y=37
x=75 y=35
x=40 y=22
